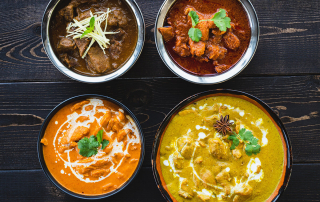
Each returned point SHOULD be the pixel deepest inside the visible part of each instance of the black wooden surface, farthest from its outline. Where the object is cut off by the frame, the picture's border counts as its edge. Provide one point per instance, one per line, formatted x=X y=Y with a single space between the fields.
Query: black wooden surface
x=285 y=73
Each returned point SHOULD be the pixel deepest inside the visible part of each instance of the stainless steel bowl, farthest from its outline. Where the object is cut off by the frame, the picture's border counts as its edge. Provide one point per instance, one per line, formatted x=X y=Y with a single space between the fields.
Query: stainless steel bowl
x=218 y=78
x=92 y=79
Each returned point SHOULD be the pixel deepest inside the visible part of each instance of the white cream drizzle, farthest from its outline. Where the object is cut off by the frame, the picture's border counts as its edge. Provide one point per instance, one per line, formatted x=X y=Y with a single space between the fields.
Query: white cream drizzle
x=117 y=146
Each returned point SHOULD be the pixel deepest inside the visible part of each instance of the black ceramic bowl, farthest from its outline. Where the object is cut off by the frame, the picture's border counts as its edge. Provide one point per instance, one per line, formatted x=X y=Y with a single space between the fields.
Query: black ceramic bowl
x=46 y=122
x=287 y=168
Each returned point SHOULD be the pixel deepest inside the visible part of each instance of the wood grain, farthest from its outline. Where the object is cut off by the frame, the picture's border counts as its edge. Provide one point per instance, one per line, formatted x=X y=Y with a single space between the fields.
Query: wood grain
x=301 y=187
x=23 y=106
x=289 y=41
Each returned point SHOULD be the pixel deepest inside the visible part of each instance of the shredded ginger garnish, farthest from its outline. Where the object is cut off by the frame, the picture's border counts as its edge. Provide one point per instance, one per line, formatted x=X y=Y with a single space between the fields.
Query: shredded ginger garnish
x=98 y=35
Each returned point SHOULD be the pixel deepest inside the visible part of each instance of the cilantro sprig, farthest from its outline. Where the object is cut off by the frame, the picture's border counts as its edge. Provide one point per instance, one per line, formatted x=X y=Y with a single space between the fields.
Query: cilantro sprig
x=89 y=146
x=252 y=145
x=89 y=29
x=220 y=19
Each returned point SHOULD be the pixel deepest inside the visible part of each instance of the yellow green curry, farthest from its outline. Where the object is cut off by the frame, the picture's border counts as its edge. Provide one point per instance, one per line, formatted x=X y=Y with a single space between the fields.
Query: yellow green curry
x=221 y=149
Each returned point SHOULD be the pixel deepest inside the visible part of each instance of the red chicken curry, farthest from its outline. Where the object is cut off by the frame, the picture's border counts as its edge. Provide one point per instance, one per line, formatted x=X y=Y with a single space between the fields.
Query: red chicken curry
x=217 y=50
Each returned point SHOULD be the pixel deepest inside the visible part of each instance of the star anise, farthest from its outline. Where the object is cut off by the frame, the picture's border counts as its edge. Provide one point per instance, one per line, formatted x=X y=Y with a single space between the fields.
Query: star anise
x=223 y=125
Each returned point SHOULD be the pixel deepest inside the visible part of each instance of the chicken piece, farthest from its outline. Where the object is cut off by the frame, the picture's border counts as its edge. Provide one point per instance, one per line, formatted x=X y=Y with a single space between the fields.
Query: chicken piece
x=82 y=118
x=108 y=148
x=79 y=133
x=243 y=189
x=236 y=198
x=223 y=176
x=117 y=18
x=217 y=148
x=167 y=33
x=177 y=161
x=44 y=141
x=204 y=28
x=66 y=44
x=106 y=118
x=82 y=45
x=238 y=123
x=204 y=197
x=117 y=126
x=215 y=52
x=89 y=108
x=217 y=32
x=185 y=191
x=187 y=10
x=84 y=15
x=99 y=172
x=107 y=186
x=221 y=68
x=231 y=41
x=98 y=61
x=110 y=124
x=185 y=147
x=197 y=48
x=195 y=180
x=181 y=47
x=121 y=117
x=236 y=153
x=198 y=160
x=207 y=177
x=79 y=105
x=122 y=134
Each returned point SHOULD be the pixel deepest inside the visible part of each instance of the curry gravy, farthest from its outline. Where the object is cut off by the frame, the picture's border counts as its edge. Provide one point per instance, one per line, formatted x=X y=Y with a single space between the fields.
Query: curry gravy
x=104 y=172
x=194 y=169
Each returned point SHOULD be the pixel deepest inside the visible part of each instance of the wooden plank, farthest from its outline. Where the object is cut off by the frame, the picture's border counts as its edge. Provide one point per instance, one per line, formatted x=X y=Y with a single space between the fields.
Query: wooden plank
x=23 y=106
x=143 y=188
x=290 y=37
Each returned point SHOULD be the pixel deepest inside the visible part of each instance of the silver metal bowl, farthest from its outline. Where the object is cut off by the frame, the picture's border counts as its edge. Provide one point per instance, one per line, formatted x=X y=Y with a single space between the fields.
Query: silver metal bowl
x=92 y=79
x=218 y=78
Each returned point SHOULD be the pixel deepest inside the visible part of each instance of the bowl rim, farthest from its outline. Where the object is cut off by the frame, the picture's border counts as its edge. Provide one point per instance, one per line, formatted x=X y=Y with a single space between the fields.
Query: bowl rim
x=85 y=78
x=214 y=79
x=40 y=146
x=288 y=158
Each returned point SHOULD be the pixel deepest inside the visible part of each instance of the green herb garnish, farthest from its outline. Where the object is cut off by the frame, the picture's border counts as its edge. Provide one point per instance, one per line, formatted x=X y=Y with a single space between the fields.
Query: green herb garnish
x=89 y=146
x=219 y=19
x=89 y=29
x=252 y=146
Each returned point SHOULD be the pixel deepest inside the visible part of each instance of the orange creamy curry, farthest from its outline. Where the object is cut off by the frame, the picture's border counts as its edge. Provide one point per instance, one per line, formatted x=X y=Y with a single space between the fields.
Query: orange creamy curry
x=103 y=172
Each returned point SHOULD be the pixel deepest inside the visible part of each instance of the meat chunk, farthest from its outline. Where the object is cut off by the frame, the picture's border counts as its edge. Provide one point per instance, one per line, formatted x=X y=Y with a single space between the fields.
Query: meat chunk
x=167 y=33
x=243 y=189
x=206 y=176
x=79 y=133
x=236 y=153
x=106 y=118
x=204 y=28
x=76 y=3
x=67 y=13
x=198 y=160
x=215 y=52
x=66 y=44
x=197 y=48
x=82 y=45
x=69 y=61
x=223 y=176
x=181 y=47
x=98 y=61
x=204 y=197
x=117 y=18
x=185 y=191
x=221 y=68
x=79 y=105
x=231 y=41
x=123 y=133
x=99 y=172
x=84 y=15
x=177 y=161
x=185 y=147
x=44 y=141
x=217 y=148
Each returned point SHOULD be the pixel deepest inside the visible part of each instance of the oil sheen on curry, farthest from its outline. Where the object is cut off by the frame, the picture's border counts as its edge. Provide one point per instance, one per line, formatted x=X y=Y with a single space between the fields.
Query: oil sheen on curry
x=221 y=148
x=93 y=37
x=225 y=36
x=91 y=147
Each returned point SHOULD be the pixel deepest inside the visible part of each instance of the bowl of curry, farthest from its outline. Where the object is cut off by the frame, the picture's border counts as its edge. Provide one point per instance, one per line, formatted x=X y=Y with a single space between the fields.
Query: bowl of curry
x=93 y=41
x=206 y=41
x=91 y=146
x=222 y=145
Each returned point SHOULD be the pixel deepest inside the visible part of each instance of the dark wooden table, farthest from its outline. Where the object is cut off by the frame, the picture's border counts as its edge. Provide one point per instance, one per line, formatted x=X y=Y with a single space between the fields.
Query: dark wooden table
x=285 y=73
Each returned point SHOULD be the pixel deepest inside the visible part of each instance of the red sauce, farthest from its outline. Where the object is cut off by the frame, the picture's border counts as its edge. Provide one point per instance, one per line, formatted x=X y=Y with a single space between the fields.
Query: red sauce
x=206 y=8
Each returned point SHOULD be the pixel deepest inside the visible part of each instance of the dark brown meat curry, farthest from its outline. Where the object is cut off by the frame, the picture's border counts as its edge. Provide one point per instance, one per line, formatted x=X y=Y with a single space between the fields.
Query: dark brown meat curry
x=217 y=50
x=78 y=54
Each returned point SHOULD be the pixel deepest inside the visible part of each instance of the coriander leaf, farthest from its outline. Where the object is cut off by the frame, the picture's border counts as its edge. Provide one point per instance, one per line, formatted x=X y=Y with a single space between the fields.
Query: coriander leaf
x=249 y=149
x=99 y=136
x=256 y=149
x=104 y=144
x=92 y=20
x=235 y=141
x=195 y=34
x=245 y=135
x=221 y=21
x=194 y=18
x=88 y=146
